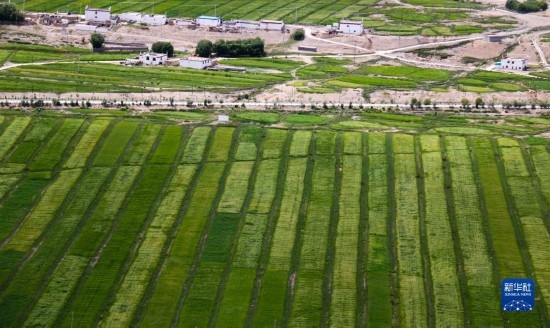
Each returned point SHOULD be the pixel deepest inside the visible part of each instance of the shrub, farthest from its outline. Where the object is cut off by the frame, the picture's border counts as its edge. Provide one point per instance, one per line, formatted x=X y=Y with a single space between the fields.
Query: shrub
x=97 y=39
x=10 y=13
x=528 y=6
x=204 y=48
x=298 y=35
x=239 y=48
x=162 y=47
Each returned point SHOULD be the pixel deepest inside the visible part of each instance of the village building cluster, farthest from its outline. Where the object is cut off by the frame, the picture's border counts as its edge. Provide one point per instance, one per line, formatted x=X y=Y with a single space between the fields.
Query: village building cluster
x=101 y=19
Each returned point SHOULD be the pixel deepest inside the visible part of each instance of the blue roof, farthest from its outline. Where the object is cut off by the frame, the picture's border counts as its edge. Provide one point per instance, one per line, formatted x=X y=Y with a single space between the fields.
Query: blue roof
x=209 y=17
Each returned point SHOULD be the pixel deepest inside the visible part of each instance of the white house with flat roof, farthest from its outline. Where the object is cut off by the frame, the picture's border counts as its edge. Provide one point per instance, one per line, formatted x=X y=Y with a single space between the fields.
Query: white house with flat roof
x=153 y=58
x=271 y=25
x=196 y=62
x=208 y=21
x=510 y=63
x=97 y=15
x=351 y=27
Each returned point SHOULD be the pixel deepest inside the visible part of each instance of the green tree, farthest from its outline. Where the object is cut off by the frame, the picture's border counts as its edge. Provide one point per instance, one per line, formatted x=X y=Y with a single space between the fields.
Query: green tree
x=465 y=103
x=427 y=102
x=479 y=102
x=204 y=48
x=298 y=35
x=97 y=39
x=414 y=101
x=10 y=13
x=162 y=47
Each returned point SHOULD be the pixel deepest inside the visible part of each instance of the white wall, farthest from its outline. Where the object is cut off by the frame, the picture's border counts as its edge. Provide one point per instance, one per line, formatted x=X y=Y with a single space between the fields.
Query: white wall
x=97 y=15
x=154 y=20
x=347 y=28
x=130 y=17
x=184 y=62
x=271 y=26
x=248 y=25
x=209 y=21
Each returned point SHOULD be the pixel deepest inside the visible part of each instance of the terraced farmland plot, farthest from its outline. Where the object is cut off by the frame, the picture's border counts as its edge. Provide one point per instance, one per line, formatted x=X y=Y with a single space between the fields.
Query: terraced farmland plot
x=120 y=222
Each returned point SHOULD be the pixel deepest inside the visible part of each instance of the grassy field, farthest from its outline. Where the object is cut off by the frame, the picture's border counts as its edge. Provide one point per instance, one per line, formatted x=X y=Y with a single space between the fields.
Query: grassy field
x=122 y=221
x=305 y=11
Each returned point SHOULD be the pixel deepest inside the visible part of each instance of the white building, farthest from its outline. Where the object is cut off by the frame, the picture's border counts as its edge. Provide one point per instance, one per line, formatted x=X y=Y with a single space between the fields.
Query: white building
x=154 y=20
x=98 y=15
x=196 y=62
x=130 y=17
x=270 y=25
x=351 y=27
x=223 y=118
x=152 y=58
x=209 y=21
x=248 y=25
x=509 y=63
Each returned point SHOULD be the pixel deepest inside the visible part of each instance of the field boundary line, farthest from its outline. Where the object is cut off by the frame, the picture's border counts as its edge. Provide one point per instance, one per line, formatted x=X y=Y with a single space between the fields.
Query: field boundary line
x=391 y=243
x=484 y=215
x=449 y=197
x=183 y=208
x=330 y=252
x=361 y=310
x=274 y=212
x=97 y=254
x=204 y=235
x=242 y=215
x=298 y=238
x=514 y=215
x=150 y=216
x=424 y=249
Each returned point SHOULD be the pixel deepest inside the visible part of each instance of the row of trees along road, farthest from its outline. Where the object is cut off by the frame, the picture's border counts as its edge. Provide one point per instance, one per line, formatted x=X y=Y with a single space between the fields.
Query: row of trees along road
x=231 y=48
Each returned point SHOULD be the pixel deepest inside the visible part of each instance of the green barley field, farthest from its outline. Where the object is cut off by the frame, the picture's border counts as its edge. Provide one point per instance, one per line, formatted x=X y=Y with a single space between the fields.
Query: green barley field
x=118 y=220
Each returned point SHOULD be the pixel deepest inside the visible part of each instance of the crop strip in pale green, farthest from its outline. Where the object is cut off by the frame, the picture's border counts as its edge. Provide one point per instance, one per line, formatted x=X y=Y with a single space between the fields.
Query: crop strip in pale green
x=136 y=279
x=160 y=302
x=344 y=299
x=379 y=231
x=15 y=130
x=198 y=294
x=107 y=272
x=521 y=201
x=236 y=298
x=263 y=275
x=439 y=238
x=243 y=276
x=481 y=306
x=87 y=143
x=307 y=301
x=413 y=307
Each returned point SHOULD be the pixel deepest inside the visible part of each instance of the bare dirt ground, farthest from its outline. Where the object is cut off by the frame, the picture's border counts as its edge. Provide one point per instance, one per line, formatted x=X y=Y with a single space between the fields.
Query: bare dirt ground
x=365 y=47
